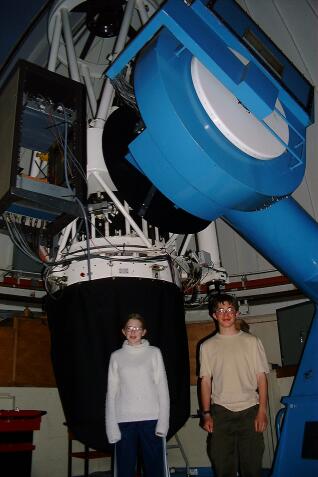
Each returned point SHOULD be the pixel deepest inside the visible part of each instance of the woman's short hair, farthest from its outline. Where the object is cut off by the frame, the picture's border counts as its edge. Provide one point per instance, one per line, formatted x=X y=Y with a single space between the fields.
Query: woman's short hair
x=134 y=316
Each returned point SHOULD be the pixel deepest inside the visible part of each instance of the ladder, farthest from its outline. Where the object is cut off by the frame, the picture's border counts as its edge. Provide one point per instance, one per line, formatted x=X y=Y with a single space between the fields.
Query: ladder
x=179 y=446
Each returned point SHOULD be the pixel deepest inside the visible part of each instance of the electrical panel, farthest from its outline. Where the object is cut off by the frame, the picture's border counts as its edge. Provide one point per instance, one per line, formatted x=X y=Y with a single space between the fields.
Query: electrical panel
x=293 y=327
x=43 y=146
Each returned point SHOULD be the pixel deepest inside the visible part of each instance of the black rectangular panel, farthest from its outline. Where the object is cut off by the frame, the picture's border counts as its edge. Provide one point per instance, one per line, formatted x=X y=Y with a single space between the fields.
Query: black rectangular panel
x=310 y=442
x=293 y=325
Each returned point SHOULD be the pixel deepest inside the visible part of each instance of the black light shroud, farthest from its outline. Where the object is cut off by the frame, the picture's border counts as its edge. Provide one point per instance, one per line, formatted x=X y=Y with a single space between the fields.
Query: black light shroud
x=120 y=130
x=85 y=327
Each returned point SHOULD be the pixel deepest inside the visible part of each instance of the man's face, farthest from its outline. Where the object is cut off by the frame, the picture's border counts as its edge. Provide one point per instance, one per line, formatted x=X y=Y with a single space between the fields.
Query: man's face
x=225 y=315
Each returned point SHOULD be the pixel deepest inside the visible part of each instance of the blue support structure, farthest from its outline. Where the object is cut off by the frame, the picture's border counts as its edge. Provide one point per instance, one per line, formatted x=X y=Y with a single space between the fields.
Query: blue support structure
x=286 y=235
x=296 y=453
x=186 y=155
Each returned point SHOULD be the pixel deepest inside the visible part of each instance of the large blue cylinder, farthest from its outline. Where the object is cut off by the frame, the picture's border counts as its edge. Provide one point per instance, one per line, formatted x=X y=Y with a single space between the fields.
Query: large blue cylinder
x=287 y=236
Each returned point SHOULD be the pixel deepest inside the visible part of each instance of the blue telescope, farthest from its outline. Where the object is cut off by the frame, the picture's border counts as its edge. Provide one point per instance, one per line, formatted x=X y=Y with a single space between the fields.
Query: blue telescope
x=224 y=117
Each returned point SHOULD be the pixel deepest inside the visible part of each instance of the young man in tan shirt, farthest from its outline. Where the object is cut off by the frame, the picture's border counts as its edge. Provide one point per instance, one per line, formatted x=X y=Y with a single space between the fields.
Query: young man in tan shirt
x=233 y=369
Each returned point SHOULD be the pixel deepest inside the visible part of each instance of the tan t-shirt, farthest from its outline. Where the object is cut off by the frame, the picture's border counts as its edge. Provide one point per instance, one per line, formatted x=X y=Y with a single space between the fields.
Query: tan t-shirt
x=233 y=363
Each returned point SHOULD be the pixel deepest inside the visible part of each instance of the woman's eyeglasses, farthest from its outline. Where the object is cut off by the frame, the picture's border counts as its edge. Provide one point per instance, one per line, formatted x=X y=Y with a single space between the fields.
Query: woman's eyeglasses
x=134 y=328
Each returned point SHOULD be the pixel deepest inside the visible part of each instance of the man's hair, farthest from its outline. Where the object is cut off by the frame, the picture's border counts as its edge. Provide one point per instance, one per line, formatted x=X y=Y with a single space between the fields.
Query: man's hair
x=134 y=316
x=215 y=301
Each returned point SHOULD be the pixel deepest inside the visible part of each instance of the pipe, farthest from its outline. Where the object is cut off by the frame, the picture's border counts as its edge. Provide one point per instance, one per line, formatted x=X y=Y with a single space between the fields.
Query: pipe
x=144 y=227
x=142 y=11
x=172 y=239
x=73 y=233
x=105 y=103
x=70 y=50
x=89 y=88
x=122 y=36
x=185 y=245
x=93 y=229
x=108 y=92
x=127 y=227
x=55 y=43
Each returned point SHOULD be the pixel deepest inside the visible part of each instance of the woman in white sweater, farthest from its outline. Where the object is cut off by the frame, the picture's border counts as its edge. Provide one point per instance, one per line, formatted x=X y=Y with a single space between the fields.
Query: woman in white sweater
x=137 y=402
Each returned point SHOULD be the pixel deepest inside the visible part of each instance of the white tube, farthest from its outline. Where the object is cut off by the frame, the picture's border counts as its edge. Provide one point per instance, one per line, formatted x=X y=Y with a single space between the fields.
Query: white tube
x=89 y=87
x=172 y=239
x=105 y=104
x=78 y=35
x=144 y=227
x=154 y=3
x=122 y=36
x=74 y=229
x=55 y=43
x=121 y=208
x=93 y=229
x=127 y=226
x=56 y=37
x=106 y=228
x=108 y=91
x=208 y=241
x=185 y=245
x=70 y=50
x=142 y=11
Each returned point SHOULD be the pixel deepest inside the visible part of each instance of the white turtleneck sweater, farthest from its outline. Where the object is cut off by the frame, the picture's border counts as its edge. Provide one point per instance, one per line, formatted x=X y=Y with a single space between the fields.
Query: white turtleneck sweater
x=137 y=389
